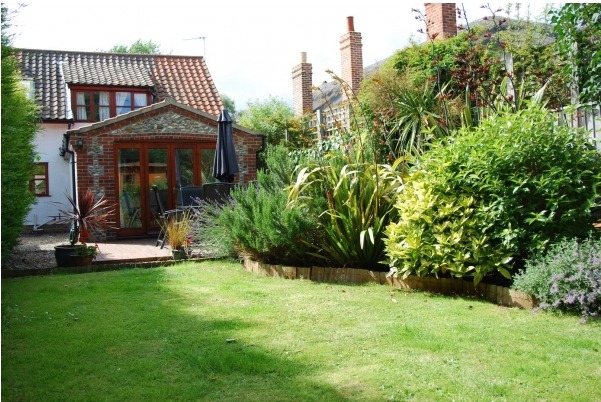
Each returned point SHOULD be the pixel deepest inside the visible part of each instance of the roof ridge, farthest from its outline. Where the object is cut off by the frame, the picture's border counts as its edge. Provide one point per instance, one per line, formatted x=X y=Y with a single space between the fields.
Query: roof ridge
x=84 y=52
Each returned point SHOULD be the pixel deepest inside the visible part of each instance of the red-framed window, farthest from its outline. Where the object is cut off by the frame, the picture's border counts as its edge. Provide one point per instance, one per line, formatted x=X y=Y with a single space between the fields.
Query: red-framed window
x=94 y=104
x=38 y=184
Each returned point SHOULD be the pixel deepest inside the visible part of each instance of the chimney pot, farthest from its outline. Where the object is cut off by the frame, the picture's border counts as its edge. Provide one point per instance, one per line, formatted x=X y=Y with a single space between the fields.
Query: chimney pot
x=350 y=24
x=303 y=57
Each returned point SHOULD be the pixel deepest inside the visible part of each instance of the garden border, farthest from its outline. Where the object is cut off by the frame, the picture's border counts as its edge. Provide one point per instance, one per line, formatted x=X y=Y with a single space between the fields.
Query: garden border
x=448 y=286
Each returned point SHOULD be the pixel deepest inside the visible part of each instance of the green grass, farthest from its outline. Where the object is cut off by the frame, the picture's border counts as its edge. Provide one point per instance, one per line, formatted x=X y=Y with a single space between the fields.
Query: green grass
x=164 y=334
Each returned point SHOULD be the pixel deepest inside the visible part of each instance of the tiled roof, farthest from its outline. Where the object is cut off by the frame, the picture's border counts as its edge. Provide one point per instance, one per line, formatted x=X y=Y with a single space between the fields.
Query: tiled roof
x=330 y=93
x=183 y=78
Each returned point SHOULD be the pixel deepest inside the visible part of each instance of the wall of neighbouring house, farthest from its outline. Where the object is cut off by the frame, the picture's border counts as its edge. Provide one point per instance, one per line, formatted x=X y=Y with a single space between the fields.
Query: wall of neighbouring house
x=96 y=165
x=47 y=143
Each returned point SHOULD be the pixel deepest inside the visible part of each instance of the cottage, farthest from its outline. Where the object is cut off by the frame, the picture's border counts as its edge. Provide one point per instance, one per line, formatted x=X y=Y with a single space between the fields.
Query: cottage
x=122 y=123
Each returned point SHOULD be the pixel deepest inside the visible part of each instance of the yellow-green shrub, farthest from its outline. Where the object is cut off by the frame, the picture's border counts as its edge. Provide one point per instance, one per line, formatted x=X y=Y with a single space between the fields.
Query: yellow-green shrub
x=505 y=189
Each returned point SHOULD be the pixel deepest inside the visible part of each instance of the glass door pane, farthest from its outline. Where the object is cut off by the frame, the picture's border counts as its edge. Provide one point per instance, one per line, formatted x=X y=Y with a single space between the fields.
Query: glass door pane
x=129 y=188
x=206 y=165
x=157 y=176
x=184 y=172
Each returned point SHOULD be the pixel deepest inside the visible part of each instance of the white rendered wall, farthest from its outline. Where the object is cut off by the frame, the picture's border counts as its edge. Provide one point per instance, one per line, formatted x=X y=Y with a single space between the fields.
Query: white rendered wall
x=47 y=144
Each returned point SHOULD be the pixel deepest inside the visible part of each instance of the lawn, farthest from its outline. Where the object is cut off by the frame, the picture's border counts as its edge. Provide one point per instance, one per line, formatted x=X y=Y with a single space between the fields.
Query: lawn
x=211 y=331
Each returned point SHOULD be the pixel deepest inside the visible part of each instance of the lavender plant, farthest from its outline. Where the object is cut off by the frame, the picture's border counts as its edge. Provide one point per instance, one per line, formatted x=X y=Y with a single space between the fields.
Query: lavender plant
x=567 y=278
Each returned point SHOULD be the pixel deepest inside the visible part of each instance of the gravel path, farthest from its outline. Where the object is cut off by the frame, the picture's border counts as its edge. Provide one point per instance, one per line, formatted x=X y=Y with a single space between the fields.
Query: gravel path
x=35 y=251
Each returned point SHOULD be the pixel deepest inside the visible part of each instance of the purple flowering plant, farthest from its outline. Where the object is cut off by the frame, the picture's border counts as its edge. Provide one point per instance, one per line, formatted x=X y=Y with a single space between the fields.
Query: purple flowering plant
x=567 y=278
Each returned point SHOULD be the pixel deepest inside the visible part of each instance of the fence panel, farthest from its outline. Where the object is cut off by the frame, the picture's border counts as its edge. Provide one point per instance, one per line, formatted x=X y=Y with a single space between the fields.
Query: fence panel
x=587 y=116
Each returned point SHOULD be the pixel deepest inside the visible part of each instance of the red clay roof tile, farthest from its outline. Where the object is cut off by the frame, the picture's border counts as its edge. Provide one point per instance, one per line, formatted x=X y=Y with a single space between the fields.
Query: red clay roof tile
x=186 y=79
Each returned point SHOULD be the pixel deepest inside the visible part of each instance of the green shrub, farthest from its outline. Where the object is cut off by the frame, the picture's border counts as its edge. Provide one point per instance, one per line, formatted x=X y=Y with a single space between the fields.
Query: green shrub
x=260 y=226
x=280 y=167
x=20 y=118
x=441 y=233
x=360 y=199
x=566 y=278
x=505 y=189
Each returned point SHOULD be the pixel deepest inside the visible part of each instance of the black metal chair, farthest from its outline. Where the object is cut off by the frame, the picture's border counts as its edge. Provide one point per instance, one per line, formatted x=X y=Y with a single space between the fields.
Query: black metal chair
x=133 y=212
x=217 y=192
x=190 y=195
x=161 y=215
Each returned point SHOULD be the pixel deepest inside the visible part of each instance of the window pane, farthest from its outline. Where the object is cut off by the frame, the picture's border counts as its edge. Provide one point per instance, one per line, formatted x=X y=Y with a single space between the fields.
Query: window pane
x=39 y=187
x=83 y=112
x=103 y=113
x=184 y=165
x=38 y=184
x=206 y=165
x=102 y=110
x=157 y=176
x=83 y=105
x=140 y=100
x=123 y=102
x=129 y=188
x=102 y=98
x=83 y=98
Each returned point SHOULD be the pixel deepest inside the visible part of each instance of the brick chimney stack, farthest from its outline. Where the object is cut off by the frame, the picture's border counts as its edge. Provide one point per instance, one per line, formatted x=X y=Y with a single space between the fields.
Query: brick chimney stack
x=441 y=19
x=351 y=53
x=302 y=84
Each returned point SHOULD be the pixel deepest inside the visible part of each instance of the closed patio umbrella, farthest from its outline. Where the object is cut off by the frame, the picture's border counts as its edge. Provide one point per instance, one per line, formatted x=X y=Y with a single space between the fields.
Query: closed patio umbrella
x=225 y=164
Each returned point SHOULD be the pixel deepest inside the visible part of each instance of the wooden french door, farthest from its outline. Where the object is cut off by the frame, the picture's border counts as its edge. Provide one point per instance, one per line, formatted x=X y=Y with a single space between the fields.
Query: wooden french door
x=169 y=166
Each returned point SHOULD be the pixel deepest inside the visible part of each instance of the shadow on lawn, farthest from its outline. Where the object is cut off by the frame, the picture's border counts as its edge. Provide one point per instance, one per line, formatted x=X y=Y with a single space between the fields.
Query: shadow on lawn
x=137 y=339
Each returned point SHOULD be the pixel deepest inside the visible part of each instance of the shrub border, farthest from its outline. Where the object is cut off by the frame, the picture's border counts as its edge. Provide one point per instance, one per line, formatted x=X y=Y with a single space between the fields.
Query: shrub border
x=448 y=286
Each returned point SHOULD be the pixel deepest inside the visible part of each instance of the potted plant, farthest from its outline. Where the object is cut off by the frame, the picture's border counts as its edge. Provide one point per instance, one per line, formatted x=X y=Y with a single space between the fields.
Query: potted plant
x=178 y=233
x=88 y=217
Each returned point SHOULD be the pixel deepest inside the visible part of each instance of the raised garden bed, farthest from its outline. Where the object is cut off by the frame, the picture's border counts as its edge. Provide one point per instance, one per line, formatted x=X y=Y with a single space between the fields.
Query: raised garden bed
x=496 y=294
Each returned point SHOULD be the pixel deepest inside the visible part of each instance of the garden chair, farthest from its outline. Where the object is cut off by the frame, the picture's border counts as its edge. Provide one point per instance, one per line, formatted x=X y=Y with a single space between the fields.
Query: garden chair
x=217 y=192
x=162 y=216
x=190 y=195
x=133 y=212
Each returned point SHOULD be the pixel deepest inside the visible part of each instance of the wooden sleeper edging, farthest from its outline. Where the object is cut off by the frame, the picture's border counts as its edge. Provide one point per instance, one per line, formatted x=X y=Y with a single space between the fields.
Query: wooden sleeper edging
x=449 y=286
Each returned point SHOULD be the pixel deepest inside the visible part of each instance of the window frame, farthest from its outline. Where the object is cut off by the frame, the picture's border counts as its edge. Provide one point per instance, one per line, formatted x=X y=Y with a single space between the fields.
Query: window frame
x=113 y=108
x=45 y=177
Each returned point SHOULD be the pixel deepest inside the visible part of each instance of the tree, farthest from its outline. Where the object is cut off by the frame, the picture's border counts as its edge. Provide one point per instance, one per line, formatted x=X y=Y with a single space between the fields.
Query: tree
x=578 y=29
x=19 y=125
x=272 y=117
x=137 y=47
x=230 y=105
x=427 y=90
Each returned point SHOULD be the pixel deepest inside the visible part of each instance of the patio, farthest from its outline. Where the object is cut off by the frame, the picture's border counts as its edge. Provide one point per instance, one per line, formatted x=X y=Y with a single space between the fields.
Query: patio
x=131 y=251
x=35 y=255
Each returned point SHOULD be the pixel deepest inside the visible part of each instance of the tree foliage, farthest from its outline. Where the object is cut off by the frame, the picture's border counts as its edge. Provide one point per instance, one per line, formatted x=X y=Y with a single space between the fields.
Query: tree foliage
x=139 y=47
x=230 y=105
x=578 y=29
x=427 y=90
x=19 y=125
x=274 y=118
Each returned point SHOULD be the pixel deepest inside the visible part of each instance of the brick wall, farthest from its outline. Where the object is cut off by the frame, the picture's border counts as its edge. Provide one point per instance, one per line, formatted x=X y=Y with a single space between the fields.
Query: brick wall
x=96 y=165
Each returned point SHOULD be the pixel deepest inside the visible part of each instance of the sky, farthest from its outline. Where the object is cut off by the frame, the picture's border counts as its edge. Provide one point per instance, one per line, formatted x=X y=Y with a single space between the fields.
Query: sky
x=250 y=47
